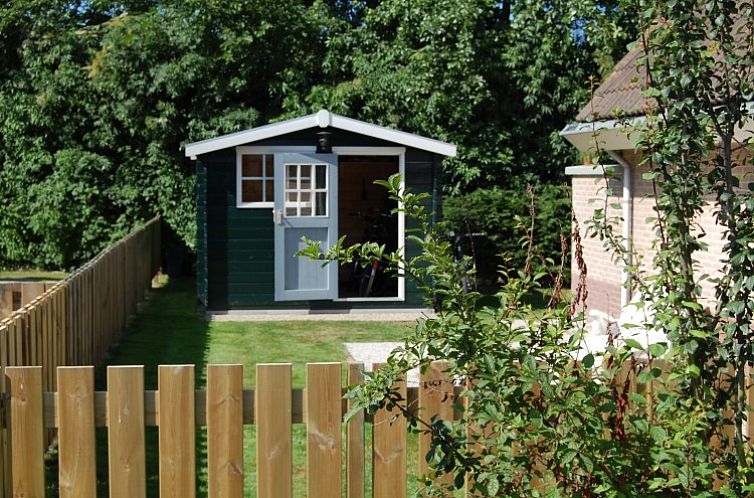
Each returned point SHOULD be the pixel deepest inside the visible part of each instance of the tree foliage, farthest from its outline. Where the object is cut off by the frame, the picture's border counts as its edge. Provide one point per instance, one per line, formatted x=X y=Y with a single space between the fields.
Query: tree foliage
x=123 y=84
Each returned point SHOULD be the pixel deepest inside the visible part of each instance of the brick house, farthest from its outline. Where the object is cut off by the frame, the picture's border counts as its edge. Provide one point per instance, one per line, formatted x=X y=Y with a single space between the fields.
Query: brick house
x=620 y=95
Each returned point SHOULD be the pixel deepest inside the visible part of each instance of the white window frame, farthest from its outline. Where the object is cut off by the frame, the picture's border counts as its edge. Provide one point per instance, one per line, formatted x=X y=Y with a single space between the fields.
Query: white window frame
x=313 y=191
x=240 y=179
x=400 y=152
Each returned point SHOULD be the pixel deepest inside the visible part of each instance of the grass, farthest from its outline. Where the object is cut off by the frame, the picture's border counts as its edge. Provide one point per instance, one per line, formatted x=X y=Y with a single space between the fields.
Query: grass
x=32 y=275
x=168 y=330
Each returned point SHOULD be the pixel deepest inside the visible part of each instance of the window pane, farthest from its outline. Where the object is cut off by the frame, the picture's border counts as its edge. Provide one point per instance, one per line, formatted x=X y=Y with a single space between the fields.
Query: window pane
x=306 y=196
x=251 y=165
x=291 y=203
x=306 y=183
x=251 y=191
x=321 y=177
x=306 y=176
x=268 y=165
x=306 y=211
x=321 y=204
x=270 y=193
x=291 y=175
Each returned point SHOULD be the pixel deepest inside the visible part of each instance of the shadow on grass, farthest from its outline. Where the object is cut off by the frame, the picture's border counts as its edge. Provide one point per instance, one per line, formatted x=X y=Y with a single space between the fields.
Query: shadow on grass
x=166 y=330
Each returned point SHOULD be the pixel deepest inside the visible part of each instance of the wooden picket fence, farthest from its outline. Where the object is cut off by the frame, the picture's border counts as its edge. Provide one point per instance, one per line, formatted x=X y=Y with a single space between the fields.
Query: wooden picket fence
x=76 y=320
x=176 y=408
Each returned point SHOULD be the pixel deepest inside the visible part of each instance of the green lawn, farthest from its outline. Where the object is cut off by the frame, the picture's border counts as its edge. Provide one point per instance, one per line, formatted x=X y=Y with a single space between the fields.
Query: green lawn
x=169 y=330
x=32 y=275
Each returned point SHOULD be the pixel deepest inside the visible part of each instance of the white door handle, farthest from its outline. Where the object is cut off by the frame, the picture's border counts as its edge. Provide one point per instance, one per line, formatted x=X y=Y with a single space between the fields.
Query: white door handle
x=277 y=216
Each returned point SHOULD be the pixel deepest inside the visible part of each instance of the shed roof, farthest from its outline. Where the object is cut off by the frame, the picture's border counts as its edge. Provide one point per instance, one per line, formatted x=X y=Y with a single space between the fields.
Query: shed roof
x=321 y=119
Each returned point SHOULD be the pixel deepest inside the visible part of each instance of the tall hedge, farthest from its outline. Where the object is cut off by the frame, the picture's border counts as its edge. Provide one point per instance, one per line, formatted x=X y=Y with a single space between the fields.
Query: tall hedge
x=502 y=217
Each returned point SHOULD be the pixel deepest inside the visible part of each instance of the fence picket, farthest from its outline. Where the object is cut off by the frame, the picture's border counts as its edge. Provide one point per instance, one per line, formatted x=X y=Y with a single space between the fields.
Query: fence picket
x=389 y=449
x=323 y=429
x=27 y=436
x=355 y=440
x=125 y=432
x=76 y=441
x=225 y=431
x=435 y=400
x=177 y=431
x=274 y=440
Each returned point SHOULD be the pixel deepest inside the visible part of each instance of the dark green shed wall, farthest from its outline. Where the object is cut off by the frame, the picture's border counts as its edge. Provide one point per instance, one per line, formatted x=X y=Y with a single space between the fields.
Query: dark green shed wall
x=235 y=247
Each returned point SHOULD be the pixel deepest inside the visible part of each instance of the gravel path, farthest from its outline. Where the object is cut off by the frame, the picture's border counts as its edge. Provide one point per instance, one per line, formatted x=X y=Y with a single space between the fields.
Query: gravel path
x=377 y=352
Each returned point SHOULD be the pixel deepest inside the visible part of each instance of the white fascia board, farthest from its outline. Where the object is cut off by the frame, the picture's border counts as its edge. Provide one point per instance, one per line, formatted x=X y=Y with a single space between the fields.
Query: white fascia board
x=251 y=135
x=322 y=119
x=395 y=136
x=609 y=135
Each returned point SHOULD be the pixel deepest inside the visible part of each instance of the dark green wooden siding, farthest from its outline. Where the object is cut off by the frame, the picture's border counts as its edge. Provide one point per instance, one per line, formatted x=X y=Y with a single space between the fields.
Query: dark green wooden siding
x=201 y=232
x=235 y=247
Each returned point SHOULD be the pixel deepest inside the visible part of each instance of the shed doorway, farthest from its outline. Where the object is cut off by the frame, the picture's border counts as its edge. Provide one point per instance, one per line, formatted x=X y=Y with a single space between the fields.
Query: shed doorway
x=364 y=215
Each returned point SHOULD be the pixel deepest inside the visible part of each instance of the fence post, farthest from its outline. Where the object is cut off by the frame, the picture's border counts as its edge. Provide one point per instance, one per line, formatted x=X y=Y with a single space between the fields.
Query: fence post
x=355 y=440
x=274 y=419
x=125 y=432
x=436 y=399
x=27 y=431
x=225 y=431
x=176 y=414
x=323 y=430
x=389 y=476
x=75 y=416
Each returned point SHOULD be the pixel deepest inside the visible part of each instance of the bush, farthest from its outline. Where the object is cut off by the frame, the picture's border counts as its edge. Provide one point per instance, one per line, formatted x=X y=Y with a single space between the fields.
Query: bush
x=503 y=215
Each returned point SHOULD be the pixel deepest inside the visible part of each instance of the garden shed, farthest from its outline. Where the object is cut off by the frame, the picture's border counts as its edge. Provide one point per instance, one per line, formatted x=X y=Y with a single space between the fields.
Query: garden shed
x=261 y=190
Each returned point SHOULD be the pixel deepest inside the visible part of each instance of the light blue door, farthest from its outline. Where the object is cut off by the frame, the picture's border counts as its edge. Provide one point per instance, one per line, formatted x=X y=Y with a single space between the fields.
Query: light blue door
x=306 y=205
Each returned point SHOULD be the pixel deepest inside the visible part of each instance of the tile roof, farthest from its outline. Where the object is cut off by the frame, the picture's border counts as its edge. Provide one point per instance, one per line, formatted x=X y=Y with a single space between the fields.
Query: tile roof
x=620 y=94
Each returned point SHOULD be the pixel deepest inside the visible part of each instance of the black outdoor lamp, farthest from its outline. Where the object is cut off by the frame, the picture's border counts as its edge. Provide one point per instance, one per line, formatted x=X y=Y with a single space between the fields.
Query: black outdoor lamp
x=324 y=142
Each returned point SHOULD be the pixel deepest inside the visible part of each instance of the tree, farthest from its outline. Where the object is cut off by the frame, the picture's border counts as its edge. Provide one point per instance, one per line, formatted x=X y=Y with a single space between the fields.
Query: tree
x=122 y=85
x=500 y=79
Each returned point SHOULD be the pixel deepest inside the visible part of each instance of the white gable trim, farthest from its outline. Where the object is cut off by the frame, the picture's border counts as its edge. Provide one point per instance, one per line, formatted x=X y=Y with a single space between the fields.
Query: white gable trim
x=322 y=119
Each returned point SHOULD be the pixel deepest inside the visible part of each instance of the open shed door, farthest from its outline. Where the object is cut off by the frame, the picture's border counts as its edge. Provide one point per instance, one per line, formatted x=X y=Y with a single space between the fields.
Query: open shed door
x=306 y=187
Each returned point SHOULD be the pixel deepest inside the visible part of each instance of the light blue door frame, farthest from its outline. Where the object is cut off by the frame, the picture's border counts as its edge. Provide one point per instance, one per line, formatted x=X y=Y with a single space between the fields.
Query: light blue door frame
x=302 y=211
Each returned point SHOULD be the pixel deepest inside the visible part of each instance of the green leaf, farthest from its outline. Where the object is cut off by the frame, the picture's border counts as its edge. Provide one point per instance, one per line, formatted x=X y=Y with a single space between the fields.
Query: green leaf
x=588 y=361
x=634 y=344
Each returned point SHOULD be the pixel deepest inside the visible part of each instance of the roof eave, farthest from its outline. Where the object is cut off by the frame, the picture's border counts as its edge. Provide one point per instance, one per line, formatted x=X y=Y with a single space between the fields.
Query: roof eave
x=611 y=134
x=321 y=119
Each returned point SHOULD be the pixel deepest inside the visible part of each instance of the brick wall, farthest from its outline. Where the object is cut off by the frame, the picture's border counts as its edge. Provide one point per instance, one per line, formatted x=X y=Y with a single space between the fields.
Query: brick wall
x=603 y=276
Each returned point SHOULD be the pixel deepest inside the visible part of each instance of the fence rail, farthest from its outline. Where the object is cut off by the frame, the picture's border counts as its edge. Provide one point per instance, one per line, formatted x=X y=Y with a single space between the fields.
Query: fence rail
x=176 y=408
x=76 y=320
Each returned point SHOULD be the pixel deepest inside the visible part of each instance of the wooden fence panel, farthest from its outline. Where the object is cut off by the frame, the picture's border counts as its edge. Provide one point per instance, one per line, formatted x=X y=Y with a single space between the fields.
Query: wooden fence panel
x=27 y=437
x=355 y=440
x=274 y=440
x=76 y=442
x=323 y=430
x=225 y=431
x=125 y=432
x=389 y=477
x=177 y=431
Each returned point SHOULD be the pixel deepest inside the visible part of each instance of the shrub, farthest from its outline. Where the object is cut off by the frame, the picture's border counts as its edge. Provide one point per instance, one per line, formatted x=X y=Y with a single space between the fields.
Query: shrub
x=503 y=216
